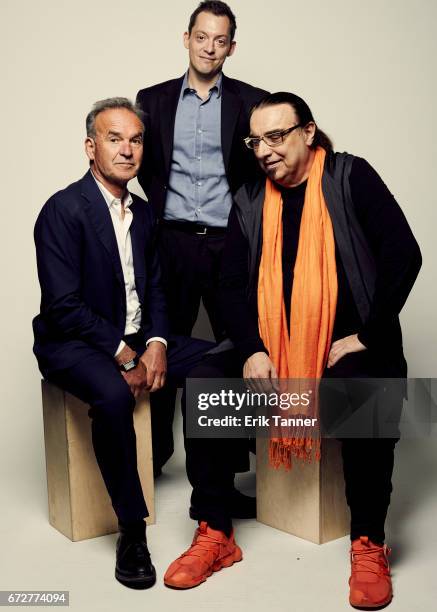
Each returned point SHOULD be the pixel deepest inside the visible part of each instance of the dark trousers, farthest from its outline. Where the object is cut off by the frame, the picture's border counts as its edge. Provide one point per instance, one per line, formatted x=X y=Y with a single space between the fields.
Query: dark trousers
x=211 y=462
x=368 y=468
x=190 y=266
x=367 y=462
x=97 y=381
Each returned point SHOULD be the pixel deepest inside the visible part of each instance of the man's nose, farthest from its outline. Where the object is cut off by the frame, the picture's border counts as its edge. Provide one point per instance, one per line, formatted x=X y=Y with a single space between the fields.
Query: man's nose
x=209 y=48
x=126 y=149
x=263 y=149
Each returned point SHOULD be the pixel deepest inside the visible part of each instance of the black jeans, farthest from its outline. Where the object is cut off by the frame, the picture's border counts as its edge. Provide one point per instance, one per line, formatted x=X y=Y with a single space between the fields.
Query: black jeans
x=368 y=468
x=367 y=461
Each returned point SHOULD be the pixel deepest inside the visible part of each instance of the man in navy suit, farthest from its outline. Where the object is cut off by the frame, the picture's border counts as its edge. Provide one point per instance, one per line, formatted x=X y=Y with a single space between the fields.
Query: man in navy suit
x=195 y=159
x=102 y=331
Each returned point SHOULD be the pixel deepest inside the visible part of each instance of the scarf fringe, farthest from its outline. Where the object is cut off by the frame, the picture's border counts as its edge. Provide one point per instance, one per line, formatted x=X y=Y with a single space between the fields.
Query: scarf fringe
x=282 y=450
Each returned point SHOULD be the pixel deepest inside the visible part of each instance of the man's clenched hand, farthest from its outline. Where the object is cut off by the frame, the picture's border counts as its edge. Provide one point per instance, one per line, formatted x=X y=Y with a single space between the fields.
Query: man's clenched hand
x=154 y=360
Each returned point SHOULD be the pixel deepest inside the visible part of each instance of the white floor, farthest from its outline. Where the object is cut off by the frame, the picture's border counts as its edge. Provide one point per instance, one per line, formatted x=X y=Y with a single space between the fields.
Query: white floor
x=279 y=572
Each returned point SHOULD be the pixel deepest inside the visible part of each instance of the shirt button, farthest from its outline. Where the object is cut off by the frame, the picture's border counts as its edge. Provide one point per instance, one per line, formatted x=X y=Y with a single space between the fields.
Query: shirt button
x=198 y=157
x=199 y=184
x=199 y=131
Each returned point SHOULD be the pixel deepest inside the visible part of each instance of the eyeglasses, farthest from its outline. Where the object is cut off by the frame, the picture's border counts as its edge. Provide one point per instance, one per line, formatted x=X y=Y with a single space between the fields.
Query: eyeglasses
x=273 y=139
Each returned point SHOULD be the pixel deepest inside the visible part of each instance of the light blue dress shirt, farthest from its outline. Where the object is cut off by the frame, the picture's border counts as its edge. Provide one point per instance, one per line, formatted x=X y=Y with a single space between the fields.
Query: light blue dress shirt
x=198 y=189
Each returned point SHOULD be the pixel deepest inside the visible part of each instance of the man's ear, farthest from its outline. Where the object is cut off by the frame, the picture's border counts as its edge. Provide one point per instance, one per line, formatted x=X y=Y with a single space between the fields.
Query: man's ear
x=232 y=48
x=309 y=131
x=90 y=147
x=186 y=39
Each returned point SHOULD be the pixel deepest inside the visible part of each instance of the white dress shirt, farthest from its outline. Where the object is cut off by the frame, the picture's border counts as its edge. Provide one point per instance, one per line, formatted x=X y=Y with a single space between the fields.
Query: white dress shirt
x=122 y=233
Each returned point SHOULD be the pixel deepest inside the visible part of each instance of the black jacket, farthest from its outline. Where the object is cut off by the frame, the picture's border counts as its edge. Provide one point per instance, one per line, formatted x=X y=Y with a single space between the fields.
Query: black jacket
x=378 y=252
x=159 y=103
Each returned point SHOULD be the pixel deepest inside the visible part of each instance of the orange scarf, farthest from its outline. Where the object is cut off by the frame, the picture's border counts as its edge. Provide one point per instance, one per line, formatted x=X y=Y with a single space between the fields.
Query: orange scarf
x=302 y=353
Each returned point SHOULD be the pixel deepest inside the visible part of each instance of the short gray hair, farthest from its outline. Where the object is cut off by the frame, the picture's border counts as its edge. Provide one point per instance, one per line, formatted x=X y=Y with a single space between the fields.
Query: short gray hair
x=103 y=105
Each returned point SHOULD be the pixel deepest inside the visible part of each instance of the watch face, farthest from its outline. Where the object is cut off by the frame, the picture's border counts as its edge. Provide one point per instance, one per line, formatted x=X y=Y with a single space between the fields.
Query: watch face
x=129 y=365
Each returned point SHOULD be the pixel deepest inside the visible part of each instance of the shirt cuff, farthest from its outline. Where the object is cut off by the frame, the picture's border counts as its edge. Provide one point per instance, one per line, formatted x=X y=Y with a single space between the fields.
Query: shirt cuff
x=156 y=339
x=120 y=348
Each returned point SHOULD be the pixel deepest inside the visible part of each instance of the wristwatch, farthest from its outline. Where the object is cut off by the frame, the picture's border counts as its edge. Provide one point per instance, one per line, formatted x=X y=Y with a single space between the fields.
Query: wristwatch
x=130 y=365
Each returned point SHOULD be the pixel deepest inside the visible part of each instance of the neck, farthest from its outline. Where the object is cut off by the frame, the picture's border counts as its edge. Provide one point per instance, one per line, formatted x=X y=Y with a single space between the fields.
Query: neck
x=118 y=191
x=201 y=83
x=302 y=171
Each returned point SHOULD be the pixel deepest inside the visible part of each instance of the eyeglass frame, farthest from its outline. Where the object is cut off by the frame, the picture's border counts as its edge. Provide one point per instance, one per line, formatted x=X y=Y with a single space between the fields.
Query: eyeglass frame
x=280 y=133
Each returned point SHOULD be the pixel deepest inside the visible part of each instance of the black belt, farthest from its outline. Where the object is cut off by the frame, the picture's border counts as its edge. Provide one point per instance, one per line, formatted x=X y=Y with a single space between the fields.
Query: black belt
x=194 y=228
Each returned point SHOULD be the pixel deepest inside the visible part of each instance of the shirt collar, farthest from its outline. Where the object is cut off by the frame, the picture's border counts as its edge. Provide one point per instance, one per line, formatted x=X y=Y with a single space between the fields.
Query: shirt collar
x=111 y=199
x=216 y=87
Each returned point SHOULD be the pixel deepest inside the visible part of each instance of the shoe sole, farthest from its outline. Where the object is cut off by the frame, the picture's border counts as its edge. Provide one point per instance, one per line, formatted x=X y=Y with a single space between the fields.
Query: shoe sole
x=228 y=561
x=135 y=583
x=370 y=607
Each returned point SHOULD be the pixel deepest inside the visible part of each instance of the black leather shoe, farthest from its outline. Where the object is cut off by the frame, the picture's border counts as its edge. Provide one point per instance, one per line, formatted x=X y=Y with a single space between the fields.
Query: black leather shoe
x=134 y=567
x=241 y=507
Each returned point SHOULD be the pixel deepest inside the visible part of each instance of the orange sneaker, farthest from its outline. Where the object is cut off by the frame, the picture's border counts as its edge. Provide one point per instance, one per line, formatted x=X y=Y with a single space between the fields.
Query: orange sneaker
x=370 y=582
x=210 y=551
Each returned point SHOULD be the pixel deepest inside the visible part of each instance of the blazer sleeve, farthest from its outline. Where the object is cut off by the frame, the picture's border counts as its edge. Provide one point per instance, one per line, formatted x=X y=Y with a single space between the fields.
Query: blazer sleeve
x=239 y=316
x=397 y=254
x=58 y=239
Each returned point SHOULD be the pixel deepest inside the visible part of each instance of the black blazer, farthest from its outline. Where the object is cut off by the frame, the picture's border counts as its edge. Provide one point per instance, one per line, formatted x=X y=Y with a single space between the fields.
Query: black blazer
x=160 y=102
x=83 y=299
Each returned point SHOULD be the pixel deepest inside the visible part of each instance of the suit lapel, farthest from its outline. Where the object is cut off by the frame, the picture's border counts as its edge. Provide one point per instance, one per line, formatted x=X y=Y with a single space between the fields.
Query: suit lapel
x=100 y=217
x=231 y=104
x=168 y=106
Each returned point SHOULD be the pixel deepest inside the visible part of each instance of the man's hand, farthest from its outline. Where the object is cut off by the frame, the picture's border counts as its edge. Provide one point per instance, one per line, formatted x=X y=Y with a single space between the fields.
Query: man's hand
x=260 y=373
x=340 y=348
x=136 y=379
x=154 y=360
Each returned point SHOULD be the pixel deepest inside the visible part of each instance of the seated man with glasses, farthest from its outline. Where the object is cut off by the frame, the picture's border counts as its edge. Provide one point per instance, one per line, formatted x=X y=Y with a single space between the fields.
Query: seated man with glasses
x=319 y=261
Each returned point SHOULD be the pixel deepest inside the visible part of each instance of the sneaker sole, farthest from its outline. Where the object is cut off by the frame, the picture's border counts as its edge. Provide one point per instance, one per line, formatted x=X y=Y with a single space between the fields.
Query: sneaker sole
x=371 y=607
x=228 y=561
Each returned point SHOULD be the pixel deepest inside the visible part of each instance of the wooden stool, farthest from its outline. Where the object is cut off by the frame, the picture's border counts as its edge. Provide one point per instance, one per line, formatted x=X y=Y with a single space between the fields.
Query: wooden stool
x=79 y=504
x=309 y=500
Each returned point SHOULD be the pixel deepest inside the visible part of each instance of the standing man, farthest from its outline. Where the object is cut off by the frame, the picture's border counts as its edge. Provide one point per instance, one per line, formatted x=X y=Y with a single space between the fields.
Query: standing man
x=195 y=159
x=102 y=330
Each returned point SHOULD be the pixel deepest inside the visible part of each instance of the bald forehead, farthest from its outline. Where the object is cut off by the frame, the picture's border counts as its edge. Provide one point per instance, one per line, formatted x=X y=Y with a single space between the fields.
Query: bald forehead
x=118 y=120
x=271 y=119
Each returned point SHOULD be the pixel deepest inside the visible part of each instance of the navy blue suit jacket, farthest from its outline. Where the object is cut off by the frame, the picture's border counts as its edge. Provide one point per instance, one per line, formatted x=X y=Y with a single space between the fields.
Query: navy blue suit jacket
x=83 y=299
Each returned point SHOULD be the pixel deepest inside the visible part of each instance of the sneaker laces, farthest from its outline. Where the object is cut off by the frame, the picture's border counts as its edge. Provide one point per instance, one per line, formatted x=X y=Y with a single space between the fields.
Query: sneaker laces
x=368 y=559
x=202 y=545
